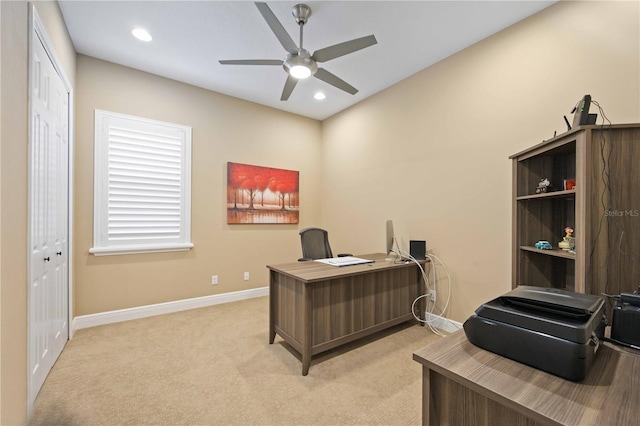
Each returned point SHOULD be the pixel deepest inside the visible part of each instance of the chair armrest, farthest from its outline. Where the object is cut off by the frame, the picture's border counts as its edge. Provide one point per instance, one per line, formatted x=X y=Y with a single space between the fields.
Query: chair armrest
x=304 y=259
x=344 y=254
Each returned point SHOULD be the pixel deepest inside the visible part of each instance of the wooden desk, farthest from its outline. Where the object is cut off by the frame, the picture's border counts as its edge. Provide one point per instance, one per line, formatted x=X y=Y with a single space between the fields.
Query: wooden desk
x=316 y=307
x=463 y=385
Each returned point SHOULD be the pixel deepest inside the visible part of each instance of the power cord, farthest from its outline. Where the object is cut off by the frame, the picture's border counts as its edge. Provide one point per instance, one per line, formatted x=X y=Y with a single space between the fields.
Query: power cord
x=435 y=260
x=616 y=234
x=431 y=306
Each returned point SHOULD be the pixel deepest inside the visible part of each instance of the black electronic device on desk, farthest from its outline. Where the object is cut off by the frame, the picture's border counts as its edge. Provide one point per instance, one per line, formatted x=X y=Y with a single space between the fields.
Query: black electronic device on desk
x=625 y=325
x=557 y=331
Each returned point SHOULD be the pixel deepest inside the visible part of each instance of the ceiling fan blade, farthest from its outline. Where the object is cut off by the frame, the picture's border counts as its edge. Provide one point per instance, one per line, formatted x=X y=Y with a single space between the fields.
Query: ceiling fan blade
x=327 y=77
x=289 y=85
x=283 y=36
x=251 y=62
x=341 y=49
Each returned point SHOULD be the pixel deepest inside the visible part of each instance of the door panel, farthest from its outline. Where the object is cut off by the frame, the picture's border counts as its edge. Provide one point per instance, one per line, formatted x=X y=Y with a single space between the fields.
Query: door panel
x=58 y=215
x=39 y=325
x=48 y=217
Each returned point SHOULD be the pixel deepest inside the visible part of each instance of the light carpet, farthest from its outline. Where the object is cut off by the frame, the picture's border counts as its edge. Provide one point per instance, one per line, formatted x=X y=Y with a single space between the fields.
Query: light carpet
x=214 y=366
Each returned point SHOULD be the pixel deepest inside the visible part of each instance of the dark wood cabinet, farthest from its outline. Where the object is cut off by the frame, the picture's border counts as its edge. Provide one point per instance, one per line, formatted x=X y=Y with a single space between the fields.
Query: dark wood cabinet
x=315 y=307
x=603 y=209
x=463 y=384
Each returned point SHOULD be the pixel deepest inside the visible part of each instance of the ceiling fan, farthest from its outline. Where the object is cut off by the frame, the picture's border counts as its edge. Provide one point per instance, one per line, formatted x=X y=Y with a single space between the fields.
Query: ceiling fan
x=299 y=64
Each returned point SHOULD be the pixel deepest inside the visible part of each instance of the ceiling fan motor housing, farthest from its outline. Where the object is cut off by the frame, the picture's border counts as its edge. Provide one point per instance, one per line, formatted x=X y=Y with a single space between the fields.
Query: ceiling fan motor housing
x=303 y=58
x=301 y=12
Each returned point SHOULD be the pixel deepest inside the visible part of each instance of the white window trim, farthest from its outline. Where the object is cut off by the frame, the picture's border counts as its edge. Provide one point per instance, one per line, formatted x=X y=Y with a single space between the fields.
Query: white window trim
x=102 y=245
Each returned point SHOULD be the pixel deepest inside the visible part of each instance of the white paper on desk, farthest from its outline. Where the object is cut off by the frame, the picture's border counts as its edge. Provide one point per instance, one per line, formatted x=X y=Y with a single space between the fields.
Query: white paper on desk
x=344 y=261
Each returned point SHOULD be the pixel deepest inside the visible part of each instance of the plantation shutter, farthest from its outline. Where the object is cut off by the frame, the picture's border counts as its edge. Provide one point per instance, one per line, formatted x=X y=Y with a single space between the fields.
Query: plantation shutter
x=142 y=185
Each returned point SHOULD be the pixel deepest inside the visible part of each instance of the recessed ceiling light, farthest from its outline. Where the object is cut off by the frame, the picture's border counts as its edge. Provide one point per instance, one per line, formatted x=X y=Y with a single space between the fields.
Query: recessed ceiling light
x=319 y=96
x=141 y=34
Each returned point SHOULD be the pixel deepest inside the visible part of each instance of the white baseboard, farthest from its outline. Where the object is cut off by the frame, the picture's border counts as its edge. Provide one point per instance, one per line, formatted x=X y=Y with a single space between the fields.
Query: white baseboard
x=102 y=318
x=444 y=324
x=110 y=317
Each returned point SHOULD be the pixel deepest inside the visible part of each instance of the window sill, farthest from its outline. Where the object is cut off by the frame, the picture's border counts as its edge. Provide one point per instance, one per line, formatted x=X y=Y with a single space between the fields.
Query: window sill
x=160 y=248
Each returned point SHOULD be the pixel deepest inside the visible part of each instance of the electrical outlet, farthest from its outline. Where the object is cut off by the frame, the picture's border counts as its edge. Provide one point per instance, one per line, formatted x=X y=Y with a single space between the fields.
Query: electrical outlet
x=246 y=276
x=214 y=280
x=432 y=295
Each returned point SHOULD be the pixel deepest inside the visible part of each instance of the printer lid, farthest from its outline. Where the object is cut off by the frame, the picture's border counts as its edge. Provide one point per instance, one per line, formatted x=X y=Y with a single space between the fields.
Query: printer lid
x=559 y=313
x=553 y=300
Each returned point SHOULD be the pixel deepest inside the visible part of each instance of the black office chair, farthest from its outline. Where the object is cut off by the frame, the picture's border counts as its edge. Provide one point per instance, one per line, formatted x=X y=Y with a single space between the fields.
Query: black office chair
x=315 y=245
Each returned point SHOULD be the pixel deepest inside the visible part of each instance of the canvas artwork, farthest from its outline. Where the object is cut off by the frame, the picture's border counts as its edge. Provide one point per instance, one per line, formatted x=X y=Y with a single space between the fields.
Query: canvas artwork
x=257 y=194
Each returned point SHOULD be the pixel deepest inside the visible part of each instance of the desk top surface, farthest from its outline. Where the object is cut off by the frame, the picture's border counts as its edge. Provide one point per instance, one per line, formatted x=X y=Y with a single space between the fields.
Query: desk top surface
x=310 y=271
x=609 y=395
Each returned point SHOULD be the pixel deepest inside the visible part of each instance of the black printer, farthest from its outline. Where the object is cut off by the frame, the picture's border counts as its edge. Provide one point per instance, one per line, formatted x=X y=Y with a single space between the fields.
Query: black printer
x=557 y=331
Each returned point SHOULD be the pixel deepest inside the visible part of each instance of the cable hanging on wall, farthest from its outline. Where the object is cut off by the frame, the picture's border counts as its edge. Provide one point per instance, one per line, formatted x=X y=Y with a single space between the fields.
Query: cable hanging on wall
x=431 y=317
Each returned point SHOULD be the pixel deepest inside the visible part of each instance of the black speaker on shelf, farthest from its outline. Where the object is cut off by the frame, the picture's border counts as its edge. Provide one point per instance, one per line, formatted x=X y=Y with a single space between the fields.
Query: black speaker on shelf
x=418 y=249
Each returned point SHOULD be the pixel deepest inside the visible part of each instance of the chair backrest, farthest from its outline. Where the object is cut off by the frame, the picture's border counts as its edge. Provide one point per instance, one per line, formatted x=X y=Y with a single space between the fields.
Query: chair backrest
x=315 y=244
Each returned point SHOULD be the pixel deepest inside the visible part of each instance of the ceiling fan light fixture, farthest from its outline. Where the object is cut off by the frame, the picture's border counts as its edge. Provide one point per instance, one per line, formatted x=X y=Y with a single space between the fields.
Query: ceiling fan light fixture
x=300 y=72
x=300 y=65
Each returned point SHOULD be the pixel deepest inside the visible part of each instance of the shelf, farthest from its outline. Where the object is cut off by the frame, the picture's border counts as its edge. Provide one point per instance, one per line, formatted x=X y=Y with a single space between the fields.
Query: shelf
x=556 y=194
x=552 y=252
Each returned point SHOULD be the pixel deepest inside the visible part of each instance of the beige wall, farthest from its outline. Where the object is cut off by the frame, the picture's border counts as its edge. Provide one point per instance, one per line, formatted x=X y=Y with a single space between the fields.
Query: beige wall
x=13 y=192
x=224 y=129
x=13 y=196
x=431 y=153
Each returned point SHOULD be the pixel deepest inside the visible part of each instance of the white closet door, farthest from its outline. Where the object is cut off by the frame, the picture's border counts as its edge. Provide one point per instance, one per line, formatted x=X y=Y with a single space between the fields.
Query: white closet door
x=58 y=214
x=48 y=216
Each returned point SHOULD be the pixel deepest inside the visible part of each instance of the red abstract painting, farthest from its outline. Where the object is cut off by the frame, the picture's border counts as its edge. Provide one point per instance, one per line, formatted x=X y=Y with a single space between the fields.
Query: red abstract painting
x=257 y=194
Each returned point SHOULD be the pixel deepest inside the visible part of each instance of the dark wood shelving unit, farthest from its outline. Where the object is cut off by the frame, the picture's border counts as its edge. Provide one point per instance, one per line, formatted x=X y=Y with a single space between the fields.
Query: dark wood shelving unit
x=603 y=209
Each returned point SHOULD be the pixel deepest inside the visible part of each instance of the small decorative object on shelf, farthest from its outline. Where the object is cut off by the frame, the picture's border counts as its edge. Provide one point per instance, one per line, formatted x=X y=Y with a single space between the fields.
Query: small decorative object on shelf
x=568 y=241
x=543 y=245
x=569 y=184
x=543 y=186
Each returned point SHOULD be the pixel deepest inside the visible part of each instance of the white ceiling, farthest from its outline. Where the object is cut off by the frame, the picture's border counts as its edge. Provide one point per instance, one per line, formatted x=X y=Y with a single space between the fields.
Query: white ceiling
x=189 y=37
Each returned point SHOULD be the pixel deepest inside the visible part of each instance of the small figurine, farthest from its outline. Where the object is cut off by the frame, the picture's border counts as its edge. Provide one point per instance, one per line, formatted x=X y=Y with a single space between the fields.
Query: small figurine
x=543 y=245
x=569 y=184
x=543 y=186
x=568 y=241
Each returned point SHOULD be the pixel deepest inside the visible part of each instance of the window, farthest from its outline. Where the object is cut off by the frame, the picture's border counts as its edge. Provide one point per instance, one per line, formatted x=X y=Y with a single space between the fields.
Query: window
x=142 y=185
